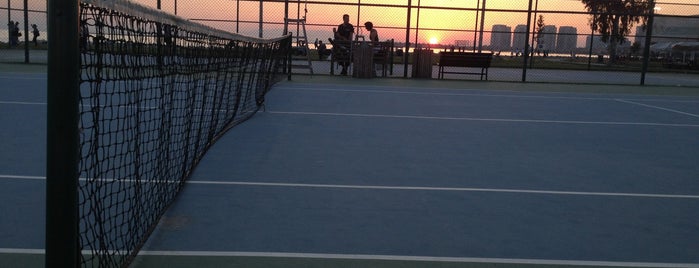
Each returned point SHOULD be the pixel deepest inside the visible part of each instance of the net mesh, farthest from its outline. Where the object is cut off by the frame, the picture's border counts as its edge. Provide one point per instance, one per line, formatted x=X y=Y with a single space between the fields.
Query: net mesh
x=156 y=91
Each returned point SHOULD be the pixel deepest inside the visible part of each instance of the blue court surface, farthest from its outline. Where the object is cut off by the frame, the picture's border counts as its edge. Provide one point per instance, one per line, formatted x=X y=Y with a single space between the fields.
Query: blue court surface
x=340 y=172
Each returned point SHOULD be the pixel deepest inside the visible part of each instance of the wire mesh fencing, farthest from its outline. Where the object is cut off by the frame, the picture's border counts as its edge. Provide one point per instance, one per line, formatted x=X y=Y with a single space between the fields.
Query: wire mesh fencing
x=23 y=37
x=531 y=40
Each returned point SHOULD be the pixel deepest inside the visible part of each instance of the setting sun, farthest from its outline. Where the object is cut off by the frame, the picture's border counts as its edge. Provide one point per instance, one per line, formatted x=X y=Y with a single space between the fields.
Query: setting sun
x=433 y=40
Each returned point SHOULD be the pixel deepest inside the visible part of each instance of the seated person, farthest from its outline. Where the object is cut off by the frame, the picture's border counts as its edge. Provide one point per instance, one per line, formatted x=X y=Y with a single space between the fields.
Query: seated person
x=322 y=50
x=373 y=34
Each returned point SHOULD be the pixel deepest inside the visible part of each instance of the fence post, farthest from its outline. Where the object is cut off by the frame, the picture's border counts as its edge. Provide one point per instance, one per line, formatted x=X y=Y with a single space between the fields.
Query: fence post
x=26 y=32
x=526 y=42
x=646 y=48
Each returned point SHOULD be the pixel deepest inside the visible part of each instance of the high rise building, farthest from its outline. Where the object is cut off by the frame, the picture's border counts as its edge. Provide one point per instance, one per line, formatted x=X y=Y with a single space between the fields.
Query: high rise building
x=501 y=37
x=519 y=37
x=567 y=39
x=547 y=40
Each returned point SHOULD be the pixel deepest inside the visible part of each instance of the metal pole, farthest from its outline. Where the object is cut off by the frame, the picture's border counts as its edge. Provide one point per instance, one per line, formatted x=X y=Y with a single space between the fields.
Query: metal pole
x=475 y=26
x=261 y=17
x=26 y=32
x=407 y=40
x=480 y=38
x=526 y=42
x=9 y=18
x=62 y=139
x=175 y=7
x=536 y=11
x=359 y=28
x=298 y=17
x=237 y=16
x=649 y=36
x=417 y=28
x=158 y=4
x=286 y=17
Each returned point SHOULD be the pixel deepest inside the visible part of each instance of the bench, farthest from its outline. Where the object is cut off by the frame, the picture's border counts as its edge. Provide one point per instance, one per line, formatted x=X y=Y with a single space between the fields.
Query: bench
x=464 y=59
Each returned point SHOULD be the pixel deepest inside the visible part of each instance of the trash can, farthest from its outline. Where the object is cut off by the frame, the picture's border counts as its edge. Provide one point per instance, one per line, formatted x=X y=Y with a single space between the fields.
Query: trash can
x=422 y=63
x=363 y=61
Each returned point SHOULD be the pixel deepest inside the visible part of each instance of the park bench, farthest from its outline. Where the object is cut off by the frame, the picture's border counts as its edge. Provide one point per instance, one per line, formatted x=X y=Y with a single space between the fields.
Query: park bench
x=464 y=59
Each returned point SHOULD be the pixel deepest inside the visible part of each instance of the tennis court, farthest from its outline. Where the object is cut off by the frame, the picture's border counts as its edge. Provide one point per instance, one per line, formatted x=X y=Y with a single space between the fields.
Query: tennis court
x=339 y=172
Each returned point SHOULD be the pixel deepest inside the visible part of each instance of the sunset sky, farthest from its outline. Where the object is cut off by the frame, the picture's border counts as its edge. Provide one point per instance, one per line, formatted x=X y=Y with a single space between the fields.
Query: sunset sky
x=390 y=18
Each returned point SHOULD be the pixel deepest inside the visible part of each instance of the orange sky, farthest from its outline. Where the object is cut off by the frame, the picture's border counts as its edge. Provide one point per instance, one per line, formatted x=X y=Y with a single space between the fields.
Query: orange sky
x=387 y=18
x=390 y=21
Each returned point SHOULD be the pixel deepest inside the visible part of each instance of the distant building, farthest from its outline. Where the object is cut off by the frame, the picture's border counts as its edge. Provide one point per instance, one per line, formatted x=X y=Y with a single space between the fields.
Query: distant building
x=598 y=47
x=547 y=40
x=519 y=37
x=501 y=37
x=567 y=39
x=671 y=30
x=463 y=44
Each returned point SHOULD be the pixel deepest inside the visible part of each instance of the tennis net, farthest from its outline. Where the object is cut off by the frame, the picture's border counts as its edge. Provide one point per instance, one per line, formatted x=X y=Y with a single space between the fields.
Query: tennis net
x=156 y=92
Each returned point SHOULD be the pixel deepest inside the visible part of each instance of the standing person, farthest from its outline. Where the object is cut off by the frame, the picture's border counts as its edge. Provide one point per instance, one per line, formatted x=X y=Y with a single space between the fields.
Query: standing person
x=35 y=33
x=10 y=27
x=344 y=33
x=345 y=30
x=16 y=33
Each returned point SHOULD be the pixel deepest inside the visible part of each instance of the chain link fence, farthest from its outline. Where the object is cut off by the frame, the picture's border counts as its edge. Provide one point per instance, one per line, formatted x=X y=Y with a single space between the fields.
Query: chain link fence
x=23 y=35
x=531 y=40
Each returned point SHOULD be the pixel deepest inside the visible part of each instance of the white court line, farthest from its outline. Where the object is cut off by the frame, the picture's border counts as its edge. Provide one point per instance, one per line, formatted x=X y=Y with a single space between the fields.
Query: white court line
x=413 y=258
x=656 y=107
x=22 y=251
x=22 y=177
x=488 y=119
x=514 y=95
x=453 y=189
x=423 y=92
x=405 y=188
x=380 y=257
x=22 y=103
x=24 y=76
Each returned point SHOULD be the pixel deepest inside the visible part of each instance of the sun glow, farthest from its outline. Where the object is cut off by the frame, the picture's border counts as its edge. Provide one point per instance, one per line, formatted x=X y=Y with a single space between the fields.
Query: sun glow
x=434 y=41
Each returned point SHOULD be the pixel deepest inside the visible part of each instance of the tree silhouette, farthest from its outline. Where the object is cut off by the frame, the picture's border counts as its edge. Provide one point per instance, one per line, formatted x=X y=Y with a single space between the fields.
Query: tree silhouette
x=613 y=19
x=539 y=31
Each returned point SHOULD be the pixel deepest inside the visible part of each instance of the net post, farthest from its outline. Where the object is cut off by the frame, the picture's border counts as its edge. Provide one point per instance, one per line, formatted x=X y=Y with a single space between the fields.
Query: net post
x=62 y=139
